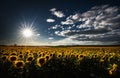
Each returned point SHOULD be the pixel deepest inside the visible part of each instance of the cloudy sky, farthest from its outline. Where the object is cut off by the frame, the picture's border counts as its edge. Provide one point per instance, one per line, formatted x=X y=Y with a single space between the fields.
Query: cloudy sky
x=60 y=22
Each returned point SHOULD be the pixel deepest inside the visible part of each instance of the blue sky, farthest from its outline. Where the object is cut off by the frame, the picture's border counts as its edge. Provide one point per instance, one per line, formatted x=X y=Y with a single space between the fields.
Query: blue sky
x=60 y=22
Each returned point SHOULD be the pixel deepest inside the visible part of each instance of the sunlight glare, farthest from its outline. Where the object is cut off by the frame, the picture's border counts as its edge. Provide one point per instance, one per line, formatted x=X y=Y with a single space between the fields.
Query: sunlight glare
x=27 y=33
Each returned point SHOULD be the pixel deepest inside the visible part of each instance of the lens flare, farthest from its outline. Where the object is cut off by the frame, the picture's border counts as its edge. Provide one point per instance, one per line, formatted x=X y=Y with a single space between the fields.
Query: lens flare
x=27 y=32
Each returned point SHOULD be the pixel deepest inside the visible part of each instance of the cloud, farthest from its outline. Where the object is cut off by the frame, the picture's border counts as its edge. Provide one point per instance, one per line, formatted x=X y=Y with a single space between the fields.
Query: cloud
x=38 y=35
x=50 y=38
x=99 y=24
x=53 y=9
x=55 y=27
x=59 y=14
x=107 y=37
x=71 y=19
x=74 y=32
x=50 y=20
x=69 y=41
x=98 y=17
x=62 y=33
x=67 y=22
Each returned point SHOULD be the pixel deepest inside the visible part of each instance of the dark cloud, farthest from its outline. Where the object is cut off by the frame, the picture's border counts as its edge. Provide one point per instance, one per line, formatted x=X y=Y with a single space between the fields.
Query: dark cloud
x=113 y=36
x=98 y=38
x=86 y=32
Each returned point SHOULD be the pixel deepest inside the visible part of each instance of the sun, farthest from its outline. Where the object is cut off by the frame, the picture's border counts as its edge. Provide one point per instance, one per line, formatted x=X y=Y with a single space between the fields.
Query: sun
x=27 y=33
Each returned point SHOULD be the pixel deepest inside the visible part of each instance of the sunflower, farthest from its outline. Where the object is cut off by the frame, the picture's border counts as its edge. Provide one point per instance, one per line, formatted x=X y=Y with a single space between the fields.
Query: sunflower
x=6 y=54
x=4 y=58
x=111 y=72
x=66 y=56
x=51 y=55
x=59 y=55
x=47 y=57
x=29 y=59
x=13 y=58
x=77 y=55
x=19 y=64
x=20 y=56
x=95 y=56
x=13 y=53
x=43 y=54
x=101 y=61
x=20 y=52
x=81 y=56
x=72 y=55
x=115 y=66
x=41 y=61
x=39 y=55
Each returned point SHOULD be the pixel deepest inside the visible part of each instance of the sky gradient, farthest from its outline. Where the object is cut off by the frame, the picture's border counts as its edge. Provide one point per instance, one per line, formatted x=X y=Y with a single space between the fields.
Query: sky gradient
x=60 y=22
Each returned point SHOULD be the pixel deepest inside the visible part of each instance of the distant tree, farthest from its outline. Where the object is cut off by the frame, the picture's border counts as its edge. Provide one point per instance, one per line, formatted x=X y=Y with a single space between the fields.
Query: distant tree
x=15 y=44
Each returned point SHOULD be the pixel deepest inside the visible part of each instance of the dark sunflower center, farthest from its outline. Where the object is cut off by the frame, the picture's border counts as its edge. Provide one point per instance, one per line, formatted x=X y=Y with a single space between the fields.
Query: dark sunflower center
x=13 y=58
x=19 y=64
x=30 y=59
x=4 y=58
x=47 y=57
x=42 y=60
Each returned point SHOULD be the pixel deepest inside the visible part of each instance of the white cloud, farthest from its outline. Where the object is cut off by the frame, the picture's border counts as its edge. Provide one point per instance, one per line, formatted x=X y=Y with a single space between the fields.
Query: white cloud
x=57 y=32
x=88 y=22
x=50 y=20
x=88 y=13
x=59 y=14
x=38 y=35
x=99 y=24
x=53 y=9
x=50 y=38
x=55 y=27
x=71 y=19
x=75 y=17
x=67 y=22
x=62 y=33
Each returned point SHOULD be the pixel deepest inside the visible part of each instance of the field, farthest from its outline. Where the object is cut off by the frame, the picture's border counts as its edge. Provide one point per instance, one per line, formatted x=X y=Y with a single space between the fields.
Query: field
x=59 y=62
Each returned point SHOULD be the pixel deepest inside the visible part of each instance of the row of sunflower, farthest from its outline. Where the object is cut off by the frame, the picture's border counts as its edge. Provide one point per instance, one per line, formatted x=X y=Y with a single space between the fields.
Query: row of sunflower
x=45 y=62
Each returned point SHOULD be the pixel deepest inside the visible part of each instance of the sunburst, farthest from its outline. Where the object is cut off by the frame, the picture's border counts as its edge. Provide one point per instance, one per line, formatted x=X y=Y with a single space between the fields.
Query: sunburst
x=27 y=33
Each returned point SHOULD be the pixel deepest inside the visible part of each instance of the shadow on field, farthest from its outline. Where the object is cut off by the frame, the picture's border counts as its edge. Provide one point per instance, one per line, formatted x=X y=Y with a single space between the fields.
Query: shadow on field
x=59 y=68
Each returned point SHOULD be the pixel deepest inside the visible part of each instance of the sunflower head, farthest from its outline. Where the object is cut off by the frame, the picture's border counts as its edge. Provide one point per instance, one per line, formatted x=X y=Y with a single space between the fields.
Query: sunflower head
x=40 y=55
x=41 y=61
x=59 y=55
x=30 y=58
x=20 y=52
x=6 y=54
x=47 y=57
x=20 y=56
x=51 y=55
x=14 y=53
x=13 y=58
x=72 y=56
x=81 y=56
x=3 y=58
x=95 y=56
x=19 y=64
x=77 y=55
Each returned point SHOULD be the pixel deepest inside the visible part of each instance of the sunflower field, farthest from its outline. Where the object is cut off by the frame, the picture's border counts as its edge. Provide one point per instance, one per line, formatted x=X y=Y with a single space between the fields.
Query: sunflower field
x=59 y=62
